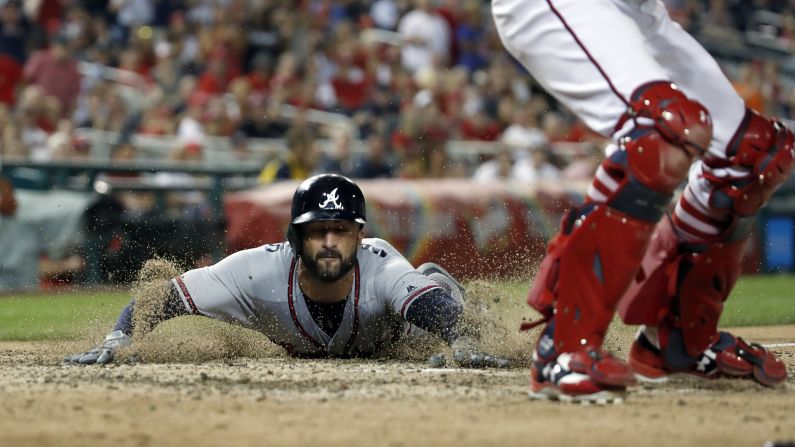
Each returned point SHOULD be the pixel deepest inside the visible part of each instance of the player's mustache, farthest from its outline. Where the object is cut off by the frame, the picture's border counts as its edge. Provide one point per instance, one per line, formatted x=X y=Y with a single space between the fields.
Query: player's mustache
x=328 y=254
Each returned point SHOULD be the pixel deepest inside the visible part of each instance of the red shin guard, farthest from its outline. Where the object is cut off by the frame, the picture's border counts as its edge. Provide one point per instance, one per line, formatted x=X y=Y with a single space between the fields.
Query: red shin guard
x=682 y=289
x=585 y=272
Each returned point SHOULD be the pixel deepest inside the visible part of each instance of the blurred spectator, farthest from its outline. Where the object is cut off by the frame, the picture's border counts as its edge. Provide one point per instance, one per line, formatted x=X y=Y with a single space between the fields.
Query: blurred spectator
x=717 y=14
x=10 y=74
x=134 y=66
x=352 y=79
x=259 y=123
x=11 y=144
x=32 y=122
x=19 y=263
x=497 y=168
x=535 y=168
x=166 y=72
x=378 y=114
x=788 y=29
x=185 y=91
x=219 y=117
x=425 y=37
x=132 y=13
x=14 y=30
x=286 y=78
x=107 y=109
x=102 y=109
x=749 y=86
x=480 y=126
x=191 y=126
x=298 y=163
x=63 y=133
x=376 y=163
x=556 y=128
x=123 y=152
x=63 y=144
x=438 y=163
x=682 y=11
x=524 y=132
x=773 y=90
x=239 y=143
x=385 y=14
x=338 y=159
x=583 y=164
x=259 y=78
x=76 y=148
x=8 y=202
x=55 y=71
x=470 y=37
x=158 y=120
x=215 y=79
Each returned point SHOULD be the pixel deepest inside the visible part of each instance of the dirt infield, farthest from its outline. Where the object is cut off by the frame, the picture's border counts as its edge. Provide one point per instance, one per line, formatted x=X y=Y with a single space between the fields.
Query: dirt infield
x=269 y=399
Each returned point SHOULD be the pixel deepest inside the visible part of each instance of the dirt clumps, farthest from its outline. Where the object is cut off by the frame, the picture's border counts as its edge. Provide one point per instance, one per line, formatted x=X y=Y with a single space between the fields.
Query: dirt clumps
x=150 y=292
x=192 y=339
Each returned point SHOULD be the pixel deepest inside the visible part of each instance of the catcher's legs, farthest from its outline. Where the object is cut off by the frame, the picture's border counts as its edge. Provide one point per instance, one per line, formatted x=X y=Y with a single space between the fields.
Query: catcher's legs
x=601 y=243
x=694 y=259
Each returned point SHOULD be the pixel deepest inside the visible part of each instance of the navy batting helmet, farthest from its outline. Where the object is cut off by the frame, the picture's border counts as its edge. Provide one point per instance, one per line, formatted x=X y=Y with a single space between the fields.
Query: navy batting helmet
x=325 y=197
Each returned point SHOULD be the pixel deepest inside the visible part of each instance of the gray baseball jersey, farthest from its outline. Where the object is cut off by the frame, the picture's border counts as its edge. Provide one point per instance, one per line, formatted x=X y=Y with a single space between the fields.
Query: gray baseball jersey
x=258 y=289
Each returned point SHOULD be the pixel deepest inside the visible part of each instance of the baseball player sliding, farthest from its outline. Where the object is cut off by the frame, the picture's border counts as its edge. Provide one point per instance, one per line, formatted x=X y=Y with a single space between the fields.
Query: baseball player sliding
x=632 y=74
x=325 y=292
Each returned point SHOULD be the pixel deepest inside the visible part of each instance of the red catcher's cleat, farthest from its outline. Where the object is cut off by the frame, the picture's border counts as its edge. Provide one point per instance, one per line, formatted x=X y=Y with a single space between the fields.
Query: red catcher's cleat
x=587 y=375
x=728 y=356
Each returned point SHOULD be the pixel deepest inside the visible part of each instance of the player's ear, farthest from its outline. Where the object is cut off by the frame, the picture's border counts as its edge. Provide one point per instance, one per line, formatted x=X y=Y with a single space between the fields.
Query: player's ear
x=360 y=234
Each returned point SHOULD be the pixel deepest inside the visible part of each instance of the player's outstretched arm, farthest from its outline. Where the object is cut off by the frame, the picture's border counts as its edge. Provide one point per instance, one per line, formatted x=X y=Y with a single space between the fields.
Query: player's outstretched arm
x=439 y=313
x=151 y=311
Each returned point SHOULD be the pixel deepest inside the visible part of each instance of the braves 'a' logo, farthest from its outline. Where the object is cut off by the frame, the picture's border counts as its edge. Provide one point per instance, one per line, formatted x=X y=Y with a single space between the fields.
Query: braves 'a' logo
x=331 y=201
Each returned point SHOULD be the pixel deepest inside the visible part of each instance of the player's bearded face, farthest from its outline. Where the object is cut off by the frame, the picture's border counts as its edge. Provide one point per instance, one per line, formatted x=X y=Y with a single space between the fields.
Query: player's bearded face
x=330 y=248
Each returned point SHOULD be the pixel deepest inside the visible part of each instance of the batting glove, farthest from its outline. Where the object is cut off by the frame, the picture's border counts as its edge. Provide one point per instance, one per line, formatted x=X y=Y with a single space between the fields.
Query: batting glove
x=103 y=353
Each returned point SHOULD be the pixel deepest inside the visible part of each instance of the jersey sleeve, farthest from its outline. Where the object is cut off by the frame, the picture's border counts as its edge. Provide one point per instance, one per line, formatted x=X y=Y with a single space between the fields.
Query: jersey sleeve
x=221 y=291
x=397 y=280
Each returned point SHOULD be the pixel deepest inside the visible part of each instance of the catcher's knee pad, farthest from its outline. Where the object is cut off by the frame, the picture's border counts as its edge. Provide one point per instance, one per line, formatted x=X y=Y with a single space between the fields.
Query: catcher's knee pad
x=764 y=148
x=668 y=131
x=684 y=287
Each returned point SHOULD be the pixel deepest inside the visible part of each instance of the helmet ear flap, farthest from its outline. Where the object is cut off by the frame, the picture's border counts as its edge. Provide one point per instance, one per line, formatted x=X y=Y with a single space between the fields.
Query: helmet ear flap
x=295 y=238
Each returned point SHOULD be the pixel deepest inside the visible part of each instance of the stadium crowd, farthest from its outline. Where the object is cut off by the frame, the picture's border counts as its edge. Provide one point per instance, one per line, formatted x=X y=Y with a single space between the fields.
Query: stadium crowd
x=410 y=75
